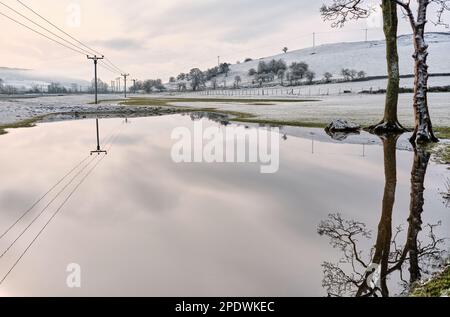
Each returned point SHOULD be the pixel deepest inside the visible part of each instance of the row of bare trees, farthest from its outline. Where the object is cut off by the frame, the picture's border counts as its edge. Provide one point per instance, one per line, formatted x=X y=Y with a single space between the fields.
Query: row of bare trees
x=342 y=11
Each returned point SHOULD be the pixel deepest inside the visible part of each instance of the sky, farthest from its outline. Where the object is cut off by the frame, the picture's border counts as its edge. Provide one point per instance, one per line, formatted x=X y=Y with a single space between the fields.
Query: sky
x=161 y=38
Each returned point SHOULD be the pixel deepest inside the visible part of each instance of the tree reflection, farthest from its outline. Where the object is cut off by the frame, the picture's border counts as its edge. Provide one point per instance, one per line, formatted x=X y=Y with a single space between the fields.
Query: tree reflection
x=446 y=193
x=363 y=275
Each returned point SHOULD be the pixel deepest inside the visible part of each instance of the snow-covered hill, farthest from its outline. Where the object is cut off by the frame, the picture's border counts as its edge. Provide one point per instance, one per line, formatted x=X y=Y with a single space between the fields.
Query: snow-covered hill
x=366 y=56
x=24 y=79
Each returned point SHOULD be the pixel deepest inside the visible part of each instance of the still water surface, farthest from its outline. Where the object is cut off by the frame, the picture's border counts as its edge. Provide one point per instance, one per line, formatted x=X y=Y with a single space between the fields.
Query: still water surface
x=142 y=225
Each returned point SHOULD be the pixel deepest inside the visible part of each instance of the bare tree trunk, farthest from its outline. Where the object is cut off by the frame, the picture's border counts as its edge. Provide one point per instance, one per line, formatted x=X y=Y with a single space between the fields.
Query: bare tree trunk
x=383 y=244
x=421 y=159
x=384 y=236
x=423 y=131
x=390 y=123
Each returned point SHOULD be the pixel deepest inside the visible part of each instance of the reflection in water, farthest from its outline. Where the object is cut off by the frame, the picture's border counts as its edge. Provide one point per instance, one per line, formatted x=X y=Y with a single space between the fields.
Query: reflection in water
x=446 y=193
x=341 y=136
x=386 y=257
x=159 y=214
x=98 y=150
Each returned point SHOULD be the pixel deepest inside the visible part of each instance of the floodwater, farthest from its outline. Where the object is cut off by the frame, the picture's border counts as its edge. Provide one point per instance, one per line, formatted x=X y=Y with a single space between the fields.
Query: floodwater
x=140 y=224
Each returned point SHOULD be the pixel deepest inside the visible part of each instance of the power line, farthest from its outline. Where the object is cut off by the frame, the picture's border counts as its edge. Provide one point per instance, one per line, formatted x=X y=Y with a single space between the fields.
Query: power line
x=113 y=66
x=113 y=139
x=38 y=25
x=298 y=37
x=104 y=66
x=51 y=218
x=33 y=30
x=109 y=61
x=44 y=209
x=59 y=29
x=109 y=68
x=108 y=64
x=109 y=139
x=42 y=197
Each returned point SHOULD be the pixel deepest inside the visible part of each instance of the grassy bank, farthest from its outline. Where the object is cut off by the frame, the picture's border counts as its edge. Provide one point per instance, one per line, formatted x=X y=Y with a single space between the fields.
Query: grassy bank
x=27 y=123
x=436 y=287
x=442 y=132
x=242 y=117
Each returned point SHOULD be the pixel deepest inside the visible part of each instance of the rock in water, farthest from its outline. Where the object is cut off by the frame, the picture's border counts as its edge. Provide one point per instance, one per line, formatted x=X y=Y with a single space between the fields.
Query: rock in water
x=341 y=136
x=341 y=125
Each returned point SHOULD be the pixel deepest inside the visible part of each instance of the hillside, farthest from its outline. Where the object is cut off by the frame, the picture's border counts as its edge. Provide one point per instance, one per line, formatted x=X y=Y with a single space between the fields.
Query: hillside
x=367 y=56
x=24 y=79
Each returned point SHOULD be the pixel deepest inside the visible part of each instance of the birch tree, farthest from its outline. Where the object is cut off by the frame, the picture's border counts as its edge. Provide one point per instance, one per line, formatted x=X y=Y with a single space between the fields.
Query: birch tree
x=423 y=131
x=342 y=11
x=364 y=273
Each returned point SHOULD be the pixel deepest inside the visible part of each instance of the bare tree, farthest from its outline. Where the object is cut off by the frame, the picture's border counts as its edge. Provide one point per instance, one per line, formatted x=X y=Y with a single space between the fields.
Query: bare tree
x=366 y=274
x=214 y=83
x=361 y=74
x=342 y=11
x=280 y=74
x=237 y=81
x=446 y=193
x=348 y=74
x=327 y=76
x=197 y=78
x=309 y=75
x=423 y=131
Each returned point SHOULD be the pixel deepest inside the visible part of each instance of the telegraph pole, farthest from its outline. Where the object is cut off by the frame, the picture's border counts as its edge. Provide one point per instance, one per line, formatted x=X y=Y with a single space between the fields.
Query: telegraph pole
x=95 y=58
x=118 y=84
x=134 y=85
x=125 y=80
x=98 y=150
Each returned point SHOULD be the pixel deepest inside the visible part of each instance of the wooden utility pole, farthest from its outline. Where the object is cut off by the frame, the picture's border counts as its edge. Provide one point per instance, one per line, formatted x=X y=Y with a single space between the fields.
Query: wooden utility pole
x=134 y=85
x=95 y=58
x=125 y=80
x=118 y=84
x=98 y=150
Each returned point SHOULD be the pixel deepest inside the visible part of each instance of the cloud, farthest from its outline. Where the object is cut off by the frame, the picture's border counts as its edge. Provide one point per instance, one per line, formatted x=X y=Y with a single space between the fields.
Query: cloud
x=161 y=38
x=121 y=44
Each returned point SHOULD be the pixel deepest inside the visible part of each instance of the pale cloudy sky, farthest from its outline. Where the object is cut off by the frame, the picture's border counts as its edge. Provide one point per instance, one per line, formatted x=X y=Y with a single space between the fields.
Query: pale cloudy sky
x=160 y=38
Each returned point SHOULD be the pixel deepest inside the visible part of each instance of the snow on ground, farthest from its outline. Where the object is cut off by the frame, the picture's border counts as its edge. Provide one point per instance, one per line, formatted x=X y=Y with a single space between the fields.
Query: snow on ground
x=27 y=79
x=13 y=110
x=320 y=89
x=363 y=109
x=367 y=56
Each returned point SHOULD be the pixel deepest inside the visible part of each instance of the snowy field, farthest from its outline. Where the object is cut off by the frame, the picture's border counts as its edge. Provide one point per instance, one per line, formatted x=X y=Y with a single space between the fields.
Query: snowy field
x=319 y=89
x=14 y=110
x=364 y=109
